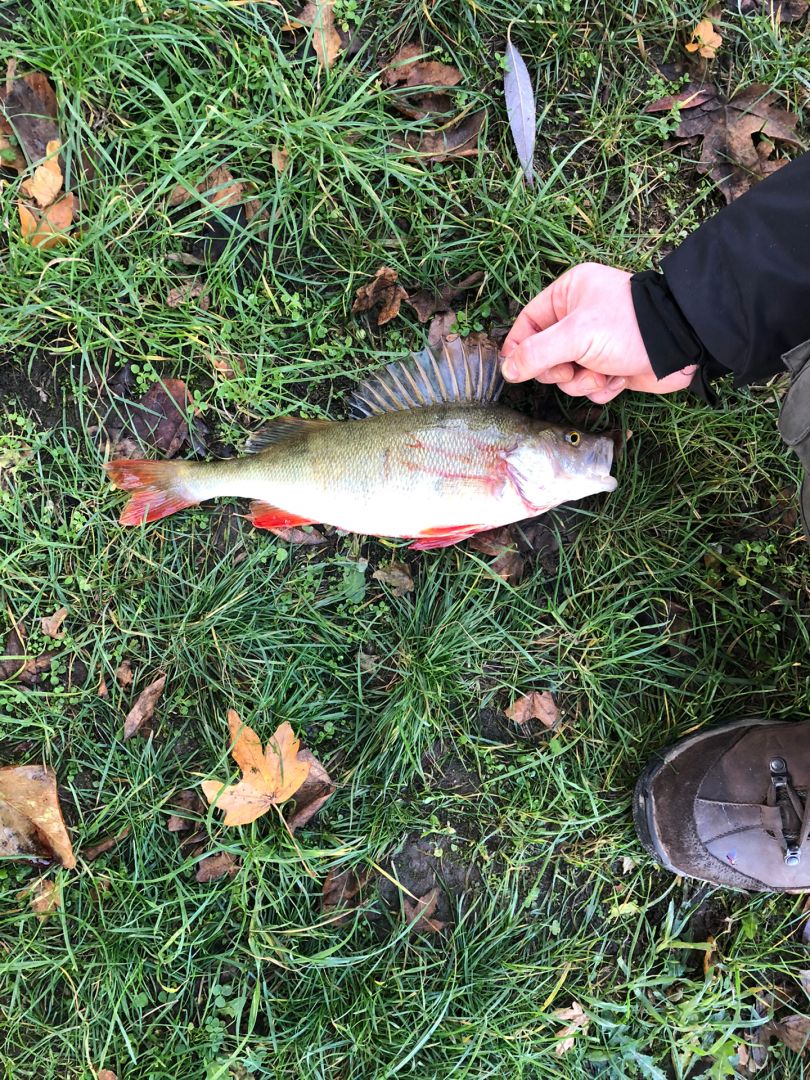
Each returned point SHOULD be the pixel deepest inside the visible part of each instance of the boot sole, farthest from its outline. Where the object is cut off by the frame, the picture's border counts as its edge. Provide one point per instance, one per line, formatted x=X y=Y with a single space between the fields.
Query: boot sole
x=642 y=799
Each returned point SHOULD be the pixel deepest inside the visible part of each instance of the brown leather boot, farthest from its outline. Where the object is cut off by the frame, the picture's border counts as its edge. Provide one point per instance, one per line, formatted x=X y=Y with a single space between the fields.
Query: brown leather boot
x=730 y=806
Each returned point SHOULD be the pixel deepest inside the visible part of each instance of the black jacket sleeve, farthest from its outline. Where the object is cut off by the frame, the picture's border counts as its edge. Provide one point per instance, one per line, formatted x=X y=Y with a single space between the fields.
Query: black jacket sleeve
x=736 y=294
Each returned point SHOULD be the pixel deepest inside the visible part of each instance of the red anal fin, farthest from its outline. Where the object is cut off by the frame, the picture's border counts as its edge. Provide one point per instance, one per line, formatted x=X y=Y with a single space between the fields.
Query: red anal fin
x=265 y=516
x=444 y=536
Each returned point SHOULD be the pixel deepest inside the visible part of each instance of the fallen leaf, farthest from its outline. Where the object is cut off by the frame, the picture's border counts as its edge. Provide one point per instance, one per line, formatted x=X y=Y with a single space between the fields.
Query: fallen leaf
x=426 y=302
x=339 y=888
x=689 y=97
x=102 y=690
x=124 y=674
x=51 y=624
x=294 y=535
x=157 y=419
x=384 y=290
x=578 y=1021
x=106 y=1074
x=46 y=183
x=312 y=794
x=793 y=1031
x=419 y=914
x=709 y=956
x=459 y=139
x=29 y=104
x=493 y=541
x=729 y=154
x=628 y=865
x=396 y=576
x=189 y=290
x=705 y=40
x=404 y=69
x=31 y=822
x=101 y=846
x=269 y=777
x=144 y=707
x=44 y=897
x=214 y=867
x=218 y=188
x=780 y=11
x=441 y=326
x=521 y=109
x=537 y=705
x=320 y=16
x=191 y=802
x=227 y=366
x=509 y=566
x=48 y=227
x=16 y=664
x=280 y=158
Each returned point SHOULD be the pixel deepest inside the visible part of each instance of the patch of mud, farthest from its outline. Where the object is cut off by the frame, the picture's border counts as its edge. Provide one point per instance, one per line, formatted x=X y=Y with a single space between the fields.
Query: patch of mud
x=419 y=869
x=36 y=390
x=446 y=771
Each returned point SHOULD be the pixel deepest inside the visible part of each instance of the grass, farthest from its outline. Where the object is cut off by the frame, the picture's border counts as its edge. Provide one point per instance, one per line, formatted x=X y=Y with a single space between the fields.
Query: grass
x=145 y=971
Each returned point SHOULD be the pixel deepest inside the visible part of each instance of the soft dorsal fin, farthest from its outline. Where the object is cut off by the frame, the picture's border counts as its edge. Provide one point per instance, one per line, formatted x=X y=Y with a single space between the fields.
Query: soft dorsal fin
x=275 y=431
x=458 y=370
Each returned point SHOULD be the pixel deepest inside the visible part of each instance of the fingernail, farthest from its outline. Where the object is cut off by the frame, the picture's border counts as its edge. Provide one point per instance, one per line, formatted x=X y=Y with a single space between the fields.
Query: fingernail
x=588 y=386
x=509 y=370
x=508 y=349
x=615 y=383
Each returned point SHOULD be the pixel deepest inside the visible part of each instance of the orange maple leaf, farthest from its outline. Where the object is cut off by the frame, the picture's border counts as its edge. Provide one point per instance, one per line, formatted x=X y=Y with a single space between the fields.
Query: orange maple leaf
x=269 y=777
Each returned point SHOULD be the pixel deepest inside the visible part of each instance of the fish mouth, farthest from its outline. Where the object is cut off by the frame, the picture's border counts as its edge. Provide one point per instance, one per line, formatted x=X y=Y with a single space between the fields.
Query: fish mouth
x=608 y=482
x=601 y=462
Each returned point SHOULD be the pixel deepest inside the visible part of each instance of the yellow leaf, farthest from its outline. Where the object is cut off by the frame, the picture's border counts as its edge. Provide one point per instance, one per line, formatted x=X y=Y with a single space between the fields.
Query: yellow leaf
x=49 y=227
x=705 y=39
x=320 y=15
x=44 y=897
x=46 y=183
x=269 y=776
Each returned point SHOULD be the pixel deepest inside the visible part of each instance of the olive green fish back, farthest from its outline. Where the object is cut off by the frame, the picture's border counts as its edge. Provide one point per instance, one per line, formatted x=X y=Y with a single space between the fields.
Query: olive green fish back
x=459 y=371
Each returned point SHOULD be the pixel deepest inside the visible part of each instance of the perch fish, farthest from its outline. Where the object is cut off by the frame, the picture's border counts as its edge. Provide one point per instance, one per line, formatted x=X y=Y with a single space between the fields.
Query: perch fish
x=428 y=456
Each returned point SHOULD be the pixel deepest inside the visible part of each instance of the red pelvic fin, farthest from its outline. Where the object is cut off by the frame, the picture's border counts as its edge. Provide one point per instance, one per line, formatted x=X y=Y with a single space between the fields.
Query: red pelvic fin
x=445 y=536
x=153 y=483
x=265 y=516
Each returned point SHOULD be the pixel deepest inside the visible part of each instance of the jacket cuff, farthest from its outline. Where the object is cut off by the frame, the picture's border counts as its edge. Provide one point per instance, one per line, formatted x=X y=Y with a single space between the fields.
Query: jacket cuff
x=669 y=339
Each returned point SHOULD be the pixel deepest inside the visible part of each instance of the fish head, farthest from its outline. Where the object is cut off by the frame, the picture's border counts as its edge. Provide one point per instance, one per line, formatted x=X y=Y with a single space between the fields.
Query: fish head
x=555 y=464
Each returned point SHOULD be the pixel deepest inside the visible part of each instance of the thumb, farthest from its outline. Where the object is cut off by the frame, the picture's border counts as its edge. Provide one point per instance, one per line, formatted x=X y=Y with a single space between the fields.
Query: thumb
x=550 y=356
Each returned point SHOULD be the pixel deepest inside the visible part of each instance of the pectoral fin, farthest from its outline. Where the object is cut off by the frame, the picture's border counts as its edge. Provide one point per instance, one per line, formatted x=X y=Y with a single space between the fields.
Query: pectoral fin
x=445 y=536
x=265 y=516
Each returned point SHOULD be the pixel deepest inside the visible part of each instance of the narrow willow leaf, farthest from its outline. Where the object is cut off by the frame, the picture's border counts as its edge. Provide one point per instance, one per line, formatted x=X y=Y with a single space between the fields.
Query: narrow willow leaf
x=520 y=107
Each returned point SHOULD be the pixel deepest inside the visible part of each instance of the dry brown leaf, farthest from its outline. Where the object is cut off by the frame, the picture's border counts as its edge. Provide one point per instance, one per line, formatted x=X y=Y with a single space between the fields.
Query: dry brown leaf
x=44 y=897
x=30 y=107
x=454 y=140
x=144 y=708
x=690 y=97
x=189 y=290
x=51 y=624
x=31 y=822
x=159 y=418
x=426 y=302
x=49 y=227
x=214 y=867
x=493 y=541
x=46 y=183
x=403 y=69
x=320 y=16
x=793 y=1031
x=191 y=802
x=396 y=576
x=440 y=327
x=705 y=40
x=419 y=914
x=124 y=674
x=728 y=128
x=219 y=188
x=384 y=290
x=312 y=794
x=227 y=366
x=781 y=11
x=509 y=566
x=25 y=670
x=101 y=846
x=269 y=777
x=102 y=690
x=577 y=1021
x=537 y=705
x=106 y=1074
x=280 y=158
x=10 y=156
x=339 y=888
x=293 y=535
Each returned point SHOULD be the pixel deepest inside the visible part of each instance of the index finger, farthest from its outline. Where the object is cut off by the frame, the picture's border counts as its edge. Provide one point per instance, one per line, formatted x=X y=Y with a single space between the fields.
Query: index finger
x=537 y=315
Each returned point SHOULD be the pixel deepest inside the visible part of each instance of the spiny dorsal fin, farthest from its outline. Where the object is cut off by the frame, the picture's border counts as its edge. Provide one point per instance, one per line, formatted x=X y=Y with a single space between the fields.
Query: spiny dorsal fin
x=460 y=370
x=275 y=431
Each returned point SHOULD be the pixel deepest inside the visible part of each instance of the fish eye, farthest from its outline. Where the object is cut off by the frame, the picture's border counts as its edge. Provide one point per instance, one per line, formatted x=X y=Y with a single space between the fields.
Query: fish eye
x=573 y=437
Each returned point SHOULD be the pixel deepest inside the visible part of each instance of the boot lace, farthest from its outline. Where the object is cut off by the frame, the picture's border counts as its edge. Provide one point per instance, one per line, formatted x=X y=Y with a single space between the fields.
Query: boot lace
x=794 y=810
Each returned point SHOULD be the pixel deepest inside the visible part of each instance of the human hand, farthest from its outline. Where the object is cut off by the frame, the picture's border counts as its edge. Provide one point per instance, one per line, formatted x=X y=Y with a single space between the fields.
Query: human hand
x=581 y=333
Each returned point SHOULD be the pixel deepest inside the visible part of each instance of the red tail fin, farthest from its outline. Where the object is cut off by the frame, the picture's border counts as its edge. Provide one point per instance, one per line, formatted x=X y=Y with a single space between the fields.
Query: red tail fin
x=154 y=483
